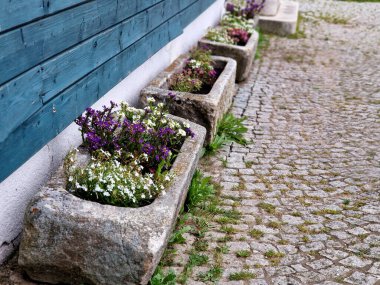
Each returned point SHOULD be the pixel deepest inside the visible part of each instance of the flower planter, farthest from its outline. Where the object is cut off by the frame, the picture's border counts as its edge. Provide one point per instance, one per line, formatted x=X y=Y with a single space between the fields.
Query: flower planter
x=243 y=55
x=270 y=8
x=203 y=109
x=70 y=240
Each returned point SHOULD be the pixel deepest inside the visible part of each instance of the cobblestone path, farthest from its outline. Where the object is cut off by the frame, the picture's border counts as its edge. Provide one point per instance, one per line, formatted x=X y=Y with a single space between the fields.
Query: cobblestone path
x=308 y=186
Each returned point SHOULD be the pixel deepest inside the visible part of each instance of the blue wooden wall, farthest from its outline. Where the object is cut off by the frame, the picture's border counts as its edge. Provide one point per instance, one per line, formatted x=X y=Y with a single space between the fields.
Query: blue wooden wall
x=59 y=57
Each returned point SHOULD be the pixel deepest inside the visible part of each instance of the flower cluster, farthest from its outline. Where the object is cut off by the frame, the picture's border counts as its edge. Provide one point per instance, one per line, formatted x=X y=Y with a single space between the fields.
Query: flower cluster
x=107 y=181
x=239 y=36
x=198 y=73
x=130 y=130
x=248 y=9
x=132 y=151
x=237 y=22
x=232 y=30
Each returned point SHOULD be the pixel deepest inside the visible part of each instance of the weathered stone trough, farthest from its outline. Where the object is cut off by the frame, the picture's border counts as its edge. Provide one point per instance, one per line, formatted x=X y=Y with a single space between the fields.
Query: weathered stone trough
x=203 y=109
x=72 y=241
x=243 y=55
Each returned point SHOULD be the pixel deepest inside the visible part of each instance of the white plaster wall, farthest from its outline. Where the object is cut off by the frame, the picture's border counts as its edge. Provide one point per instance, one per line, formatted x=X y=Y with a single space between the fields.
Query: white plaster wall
x=17 y=190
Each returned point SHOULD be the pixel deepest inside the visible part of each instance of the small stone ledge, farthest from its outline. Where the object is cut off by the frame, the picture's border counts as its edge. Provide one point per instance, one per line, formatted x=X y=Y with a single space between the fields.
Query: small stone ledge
x=284 y=22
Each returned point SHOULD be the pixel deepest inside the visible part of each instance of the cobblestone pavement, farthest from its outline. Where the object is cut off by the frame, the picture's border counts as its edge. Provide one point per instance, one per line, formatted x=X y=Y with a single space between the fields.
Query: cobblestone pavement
x=308 y=186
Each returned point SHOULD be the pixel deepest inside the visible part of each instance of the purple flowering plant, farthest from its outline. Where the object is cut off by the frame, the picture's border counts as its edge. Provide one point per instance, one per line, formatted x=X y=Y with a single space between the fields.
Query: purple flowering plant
x=130 y=130
x=198 y=74
x=239 y=36
x=131 y=150
x=248 y=9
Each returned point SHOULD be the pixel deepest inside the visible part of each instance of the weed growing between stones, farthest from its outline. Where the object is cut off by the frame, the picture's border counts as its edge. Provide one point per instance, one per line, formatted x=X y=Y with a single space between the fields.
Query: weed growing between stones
x=161 y=278
x=242 y=275
x=274 y=256
x=243 y=253
x=262 y=45
x=200 y=207
x=333 y=19
x=229 y=129
x=211 y=275
x=300 y=32
x=269 y=208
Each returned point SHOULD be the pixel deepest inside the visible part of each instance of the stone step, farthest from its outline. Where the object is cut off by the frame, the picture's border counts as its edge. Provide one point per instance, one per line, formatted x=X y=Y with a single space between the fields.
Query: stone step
x=284 y=22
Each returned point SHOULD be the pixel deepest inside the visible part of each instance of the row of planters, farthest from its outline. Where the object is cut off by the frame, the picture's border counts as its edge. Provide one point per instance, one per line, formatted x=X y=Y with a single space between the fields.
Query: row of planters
x=107 y=214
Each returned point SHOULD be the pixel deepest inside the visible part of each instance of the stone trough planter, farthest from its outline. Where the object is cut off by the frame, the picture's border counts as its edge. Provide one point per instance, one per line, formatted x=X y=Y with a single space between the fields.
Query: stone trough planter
x=72 y=241
x=203 y=109
x=243 y=55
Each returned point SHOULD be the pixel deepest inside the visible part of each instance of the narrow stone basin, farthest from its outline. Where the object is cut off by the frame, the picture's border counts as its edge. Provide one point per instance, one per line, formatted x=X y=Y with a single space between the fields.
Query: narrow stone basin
x=72 y=241
x=243 y=55
x=203 y=109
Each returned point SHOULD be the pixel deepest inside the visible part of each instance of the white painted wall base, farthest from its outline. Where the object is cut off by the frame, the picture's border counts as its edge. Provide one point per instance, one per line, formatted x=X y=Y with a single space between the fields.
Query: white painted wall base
x=17 y=190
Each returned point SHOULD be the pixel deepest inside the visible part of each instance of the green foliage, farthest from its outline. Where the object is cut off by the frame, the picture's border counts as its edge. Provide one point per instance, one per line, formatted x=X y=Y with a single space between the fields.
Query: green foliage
x=229 y=129
x=198 y=259
x=201 y=189
x=183 y=83
x=233 y=128
x=242 y=275
x=237 y=22
x=262 y=45
x=177 y=236
x=198 y=73
x=269 y=208
x=216 y=144
x=243 y=253
x=300 y=33
x=219 y=35
x=211 y=275
x=160 y=278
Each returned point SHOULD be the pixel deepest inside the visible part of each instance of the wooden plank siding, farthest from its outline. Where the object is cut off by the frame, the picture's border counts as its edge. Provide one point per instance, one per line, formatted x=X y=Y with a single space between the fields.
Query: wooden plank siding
x=44 y=99
x=31 y=44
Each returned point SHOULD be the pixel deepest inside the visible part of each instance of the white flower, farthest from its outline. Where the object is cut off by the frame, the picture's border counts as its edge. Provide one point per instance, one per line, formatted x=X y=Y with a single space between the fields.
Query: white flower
x=142 y=196
x=98 y=189
x=106 y=194
x=181 y=132
x=71 y=178
x=151 y=100
x=167 y=178
x=186 y=125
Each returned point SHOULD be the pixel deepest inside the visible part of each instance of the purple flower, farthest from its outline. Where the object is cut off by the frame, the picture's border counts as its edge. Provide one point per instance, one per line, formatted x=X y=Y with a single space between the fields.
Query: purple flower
x=148 y=148
x=230 y=7
x=172 y=95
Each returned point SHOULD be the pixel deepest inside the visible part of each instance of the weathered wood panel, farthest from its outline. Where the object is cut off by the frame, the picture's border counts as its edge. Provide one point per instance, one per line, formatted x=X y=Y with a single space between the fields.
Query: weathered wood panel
x=14 y=13
x=50 y=115
x=48 y=79
x=29 y=45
